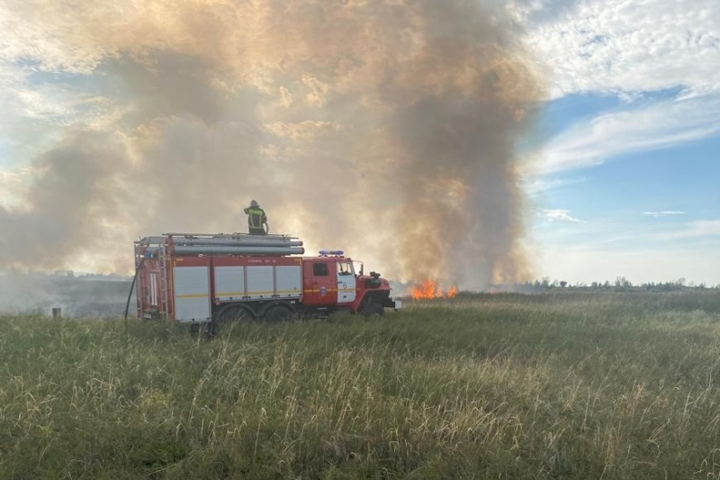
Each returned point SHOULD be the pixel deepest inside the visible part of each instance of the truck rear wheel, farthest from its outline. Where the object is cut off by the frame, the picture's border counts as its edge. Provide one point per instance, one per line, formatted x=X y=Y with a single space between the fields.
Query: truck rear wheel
x=230 y=314
x=277 y=313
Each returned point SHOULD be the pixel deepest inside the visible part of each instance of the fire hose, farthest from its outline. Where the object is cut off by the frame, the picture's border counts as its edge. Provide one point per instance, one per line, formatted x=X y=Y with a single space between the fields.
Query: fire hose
x=132 y=287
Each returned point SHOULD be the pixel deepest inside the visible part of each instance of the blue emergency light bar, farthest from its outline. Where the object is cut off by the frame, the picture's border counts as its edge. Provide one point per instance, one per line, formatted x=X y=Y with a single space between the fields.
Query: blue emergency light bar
x=325 y=253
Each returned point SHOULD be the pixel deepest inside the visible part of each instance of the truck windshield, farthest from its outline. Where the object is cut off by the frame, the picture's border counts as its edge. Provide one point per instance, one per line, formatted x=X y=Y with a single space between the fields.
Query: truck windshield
x=345 y=268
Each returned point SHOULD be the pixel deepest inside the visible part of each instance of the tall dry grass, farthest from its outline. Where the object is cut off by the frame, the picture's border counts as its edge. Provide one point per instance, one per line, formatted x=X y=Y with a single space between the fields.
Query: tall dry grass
x=504 y=386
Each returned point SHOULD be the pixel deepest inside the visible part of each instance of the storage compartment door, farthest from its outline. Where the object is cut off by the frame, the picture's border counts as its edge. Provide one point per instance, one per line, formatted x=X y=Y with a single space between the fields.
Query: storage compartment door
x=192 y=294
x=260 y=283
x=288 y=281
x=229 y=283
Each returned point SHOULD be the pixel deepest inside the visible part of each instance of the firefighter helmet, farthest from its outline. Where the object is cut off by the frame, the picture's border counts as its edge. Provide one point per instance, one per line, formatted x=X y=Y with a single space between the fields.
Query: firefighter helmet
x=253 y=203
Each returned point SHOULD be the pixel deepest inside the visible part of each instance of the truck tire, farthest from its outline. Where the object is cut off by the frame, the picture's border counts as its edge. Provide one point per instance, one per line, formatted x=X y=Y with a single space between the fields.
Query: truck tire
x=230 y=314
x=277 y=312
x=370 y=308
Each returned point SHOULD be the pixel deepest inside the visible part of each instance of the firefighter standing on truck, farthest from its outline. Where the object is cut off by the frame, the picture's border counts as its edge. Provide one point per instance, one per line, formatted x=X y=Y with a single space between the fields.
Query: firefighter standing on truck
x=256 y=219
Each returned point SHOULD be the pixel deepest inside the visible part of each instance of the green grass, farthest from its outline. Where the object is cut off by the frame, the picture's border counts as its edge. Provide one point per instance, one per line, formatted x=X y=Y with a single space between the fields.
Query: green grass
x=505 y=386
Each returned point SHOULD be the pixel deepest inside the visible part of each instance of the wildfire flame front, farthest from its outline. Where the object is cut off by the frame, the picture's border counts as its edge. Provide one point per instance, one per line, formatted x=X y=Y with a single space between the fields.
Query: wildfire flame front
x=431 y=289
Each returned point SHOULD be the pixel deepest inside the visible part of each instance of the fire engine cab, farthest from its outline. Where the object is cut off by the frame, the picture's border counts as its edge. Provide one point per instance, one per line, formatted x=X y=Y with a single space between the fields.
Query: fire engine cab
x=219 y=278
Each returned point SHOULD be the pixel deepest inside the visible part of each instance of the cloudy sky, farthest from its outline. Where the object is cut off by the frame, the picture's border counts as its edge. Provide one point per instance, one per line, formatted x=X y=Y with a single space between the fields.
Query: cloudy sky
x=621 y=168
x=626 y=180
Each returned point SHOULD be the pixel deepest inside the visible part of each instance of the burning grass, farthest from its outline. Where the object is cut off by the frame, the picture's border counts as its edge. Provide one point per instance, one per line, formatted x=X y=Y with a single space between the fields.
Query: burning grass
x=501 y=386
x=430 y=289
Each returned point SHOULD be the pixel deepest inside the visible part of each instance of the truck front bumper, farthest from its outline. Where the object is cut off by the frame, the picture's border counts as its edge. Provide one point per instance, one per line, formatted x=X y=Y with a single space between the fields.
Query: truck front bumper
x=394 y=303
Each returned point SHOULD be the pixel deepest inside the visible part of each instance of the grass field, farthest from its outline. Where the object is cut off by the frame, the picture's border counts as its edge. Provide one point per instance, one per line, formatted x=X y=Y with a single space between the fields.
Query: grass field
x=572 y=386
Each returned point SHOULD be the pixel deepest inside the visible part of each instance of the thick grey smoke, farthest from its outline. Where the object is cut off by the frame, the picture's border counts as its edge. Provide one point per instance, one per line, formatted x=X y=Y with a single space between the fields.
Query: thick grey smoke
x=88 y=296
x=387 y=128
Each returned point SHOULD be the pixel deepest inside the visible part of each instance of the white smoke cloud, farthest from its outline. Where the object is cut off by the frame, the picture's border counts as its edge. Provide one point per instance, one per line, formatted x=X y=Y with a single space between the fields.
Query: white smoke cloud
x=387 y=127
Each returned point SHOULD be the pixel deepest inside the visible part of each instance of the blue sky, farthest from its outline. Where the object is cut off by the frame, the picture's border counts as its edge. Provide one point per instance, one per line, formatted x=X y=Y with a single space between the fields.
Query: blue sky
x=628 y=180
x=622 y=173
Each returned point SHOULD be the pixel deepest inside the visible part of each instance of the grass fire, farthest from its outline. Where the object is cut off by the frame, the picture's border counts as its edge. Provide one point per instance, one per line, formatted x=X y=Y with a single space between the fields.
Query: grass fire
x=430 y=289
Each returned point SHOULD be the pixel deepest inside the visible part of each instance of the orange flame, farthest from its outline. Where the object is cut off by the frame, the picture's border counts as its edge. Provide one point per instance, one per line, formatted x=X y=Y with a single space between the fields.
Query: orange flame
x=430 y=289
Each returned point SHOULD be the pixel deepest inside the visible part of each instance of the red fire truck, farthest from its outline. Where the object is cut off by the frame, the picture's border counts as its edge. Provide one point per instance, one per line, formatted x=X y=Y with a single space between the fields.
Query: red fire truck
x=203 y=278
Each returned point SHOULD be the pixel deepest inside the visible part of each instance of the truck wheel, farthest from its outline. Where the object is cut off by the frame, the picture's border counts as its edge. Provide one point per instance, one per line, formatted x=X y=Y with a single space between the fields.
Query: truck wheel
x=371 y=308
x=277 y=313
x=231 y=314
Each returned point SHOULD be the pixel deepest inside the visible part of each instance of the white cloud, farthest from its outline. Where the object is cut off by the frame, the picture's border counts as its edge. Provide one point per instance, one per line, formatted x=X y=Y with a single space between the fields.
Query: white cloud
x=537 y=185
x=650 y=127
x=619 y=46
x=664 y=213
x=560 y=215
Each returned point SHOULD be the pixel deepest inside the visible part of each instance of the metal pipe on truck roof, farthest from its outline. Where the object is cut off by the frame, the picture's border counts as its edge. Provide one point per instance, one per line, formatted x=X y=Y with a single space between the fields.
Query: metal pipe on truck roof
x=239 y=250
x=223 y=239
x=155 y=240
x=238 y=242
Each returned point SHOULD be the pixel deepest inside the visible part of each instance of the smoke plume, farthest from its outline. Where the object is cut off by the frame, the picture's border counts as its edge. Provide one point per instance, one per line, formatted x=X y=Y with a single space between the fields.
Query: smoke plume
x=384 y=127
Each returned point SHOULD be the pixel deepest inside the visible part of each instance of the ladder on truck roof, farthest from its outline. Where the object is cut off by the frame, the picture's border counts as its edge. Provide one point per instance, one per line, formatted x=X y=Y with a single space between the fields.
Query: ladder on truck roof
x=164 y=299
